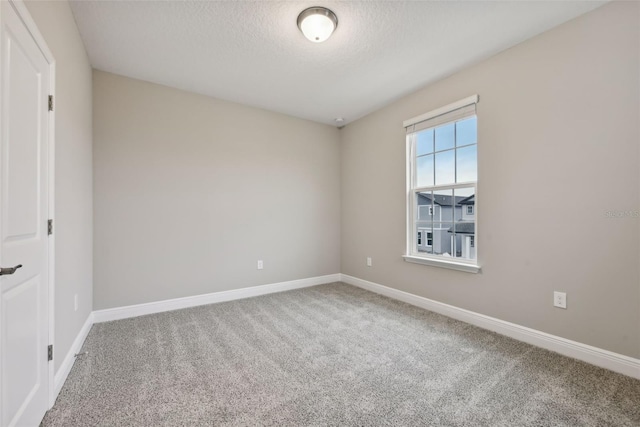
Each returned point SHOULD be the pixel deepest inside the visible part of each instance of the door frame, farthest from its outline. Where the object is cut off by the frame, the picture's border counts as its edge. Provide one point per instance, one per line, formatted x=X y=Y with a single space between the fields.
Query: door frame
x=22 y=11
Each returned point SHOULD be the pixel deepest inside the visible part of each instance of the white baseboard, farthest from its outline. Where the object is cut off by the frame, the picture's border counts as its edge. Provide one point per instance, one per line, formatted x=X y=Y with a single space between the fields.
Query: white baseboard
x=215 y=297
x=596 y=356
x=64 y=369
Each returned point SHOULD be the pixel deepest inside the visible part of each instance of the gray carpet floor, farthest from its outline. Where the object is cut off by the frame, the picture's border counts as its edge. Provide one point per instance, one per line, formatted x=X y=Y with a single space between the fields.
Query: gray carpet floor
x=329 y=355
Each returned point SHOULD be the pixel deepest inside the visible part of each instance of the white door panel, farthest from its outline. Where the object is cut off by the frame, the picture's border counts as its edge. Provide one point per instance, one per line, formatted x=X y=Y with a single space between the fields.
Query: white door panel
x=24 y=131
x=20 y=177
x=20 y=315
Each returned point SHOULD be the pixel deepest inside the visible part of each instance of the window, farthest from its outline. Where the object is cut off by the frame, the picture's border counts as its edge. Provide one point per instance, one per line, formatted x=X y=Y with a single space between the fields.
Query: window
x=473 y=241
x=442 y=171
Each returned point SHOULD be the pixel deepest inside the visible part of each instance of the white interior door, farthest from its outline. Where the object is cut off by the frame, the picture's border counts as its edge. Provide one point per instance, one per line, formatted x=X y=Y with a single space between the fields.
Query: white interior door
x=24 y=122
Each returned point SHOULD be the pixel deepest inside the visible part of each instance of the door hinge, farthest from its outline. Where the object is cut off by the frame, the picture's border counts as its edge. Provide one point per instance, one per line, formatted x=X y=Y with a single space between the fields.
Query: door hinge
x=50 y=102
x=50 y=352
x=50 y=227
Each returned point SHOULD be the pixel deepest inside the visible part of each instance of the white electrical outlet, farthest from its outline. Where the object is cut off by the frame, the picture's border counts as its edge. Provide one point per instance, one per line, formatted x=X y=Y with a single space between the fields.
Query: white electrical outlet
x=260 y=264
x=369 y=262
x=560 y=299
x=75 y=302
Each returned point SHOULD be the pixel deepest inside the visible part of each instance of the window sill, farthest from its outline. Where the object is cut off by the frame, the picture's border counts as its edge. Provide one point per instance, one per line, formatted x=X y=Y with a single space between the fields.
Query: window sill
x=468 y=268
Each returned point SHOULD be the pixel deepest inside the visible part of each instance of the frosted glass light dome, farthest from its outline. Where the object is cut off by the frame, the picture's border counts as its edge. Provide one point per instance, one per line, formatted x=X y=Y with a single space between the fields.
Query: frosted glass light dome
x=317 y=23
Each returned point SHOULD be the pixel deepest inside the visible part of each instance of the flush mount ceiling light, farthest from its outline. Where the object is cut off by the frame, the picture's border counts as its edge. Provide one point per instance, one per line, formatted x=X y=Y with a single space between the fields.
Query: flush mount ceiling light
x=317 y=23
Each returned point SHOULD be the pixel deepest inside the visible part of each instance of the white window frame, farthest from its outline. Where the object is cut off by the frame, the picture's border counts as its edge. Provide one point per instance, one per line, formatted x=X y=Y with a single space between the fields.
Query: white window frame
x=440 y=116
x=469 y=209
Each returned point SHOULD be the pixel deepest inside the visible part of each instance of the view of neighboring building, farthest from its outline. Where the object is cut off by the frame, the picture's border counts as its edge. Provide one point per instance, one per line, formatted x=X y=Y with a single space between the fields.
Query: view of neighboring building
x=465 y=229
x=446 y=225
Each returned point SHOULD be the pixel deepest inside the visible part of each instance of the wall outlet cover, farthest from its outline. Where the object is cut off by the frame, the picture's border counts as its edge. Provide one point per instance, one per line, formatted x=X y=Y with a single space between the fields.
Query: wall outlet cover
x=560 y=299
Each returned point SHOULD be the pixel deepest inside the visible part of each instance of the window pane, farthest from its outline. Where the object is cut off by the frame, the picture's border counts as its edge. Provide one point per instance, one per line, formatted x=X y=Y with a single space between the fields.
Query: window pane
x=465 y=246
x=467 y=164
x=466 y=132
x=465 y=206
x=445 y=136
x=442 y=204
x=455 y=244
x=445 y=167
x=457 y=211
x=442 y=238
x=465 y=191
x=424 y=211
x=424 y=171
x=423 y=225
x=424 y=142
x=465 y=228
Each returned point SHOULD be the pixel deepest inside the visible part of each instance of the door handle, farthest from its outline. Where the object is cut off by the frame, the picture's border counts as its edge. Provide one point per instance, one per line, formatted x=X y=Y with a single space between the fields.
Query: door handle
x=9 y=270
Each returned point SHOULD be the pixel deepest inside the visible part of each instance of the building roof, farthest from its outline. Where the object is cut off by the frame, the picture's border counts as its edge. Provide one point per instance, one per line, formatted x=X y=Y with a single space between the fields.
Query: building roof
x=464 y=227
x=425 y=199
x=471 y=200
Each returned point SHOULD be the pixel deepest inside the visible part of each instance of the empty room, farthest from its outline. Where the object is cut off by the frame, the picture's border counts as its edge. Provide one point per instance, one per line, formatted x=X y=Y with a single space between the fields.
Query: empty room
x=337 y=213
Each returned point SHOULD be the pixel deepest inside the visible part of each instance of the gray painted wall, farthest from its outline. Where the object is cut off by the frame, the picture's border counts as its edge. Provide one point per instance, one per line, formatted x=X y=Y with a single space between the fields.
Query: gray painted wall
x=73 y=171
x=558 y=121
x=191 y=191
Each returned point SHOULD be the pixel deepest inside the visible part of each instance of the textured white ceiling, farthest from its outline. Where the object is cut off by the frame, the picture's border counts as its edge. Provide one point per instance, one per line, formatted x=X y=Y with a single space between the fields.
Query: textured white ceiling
x=252 y=52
